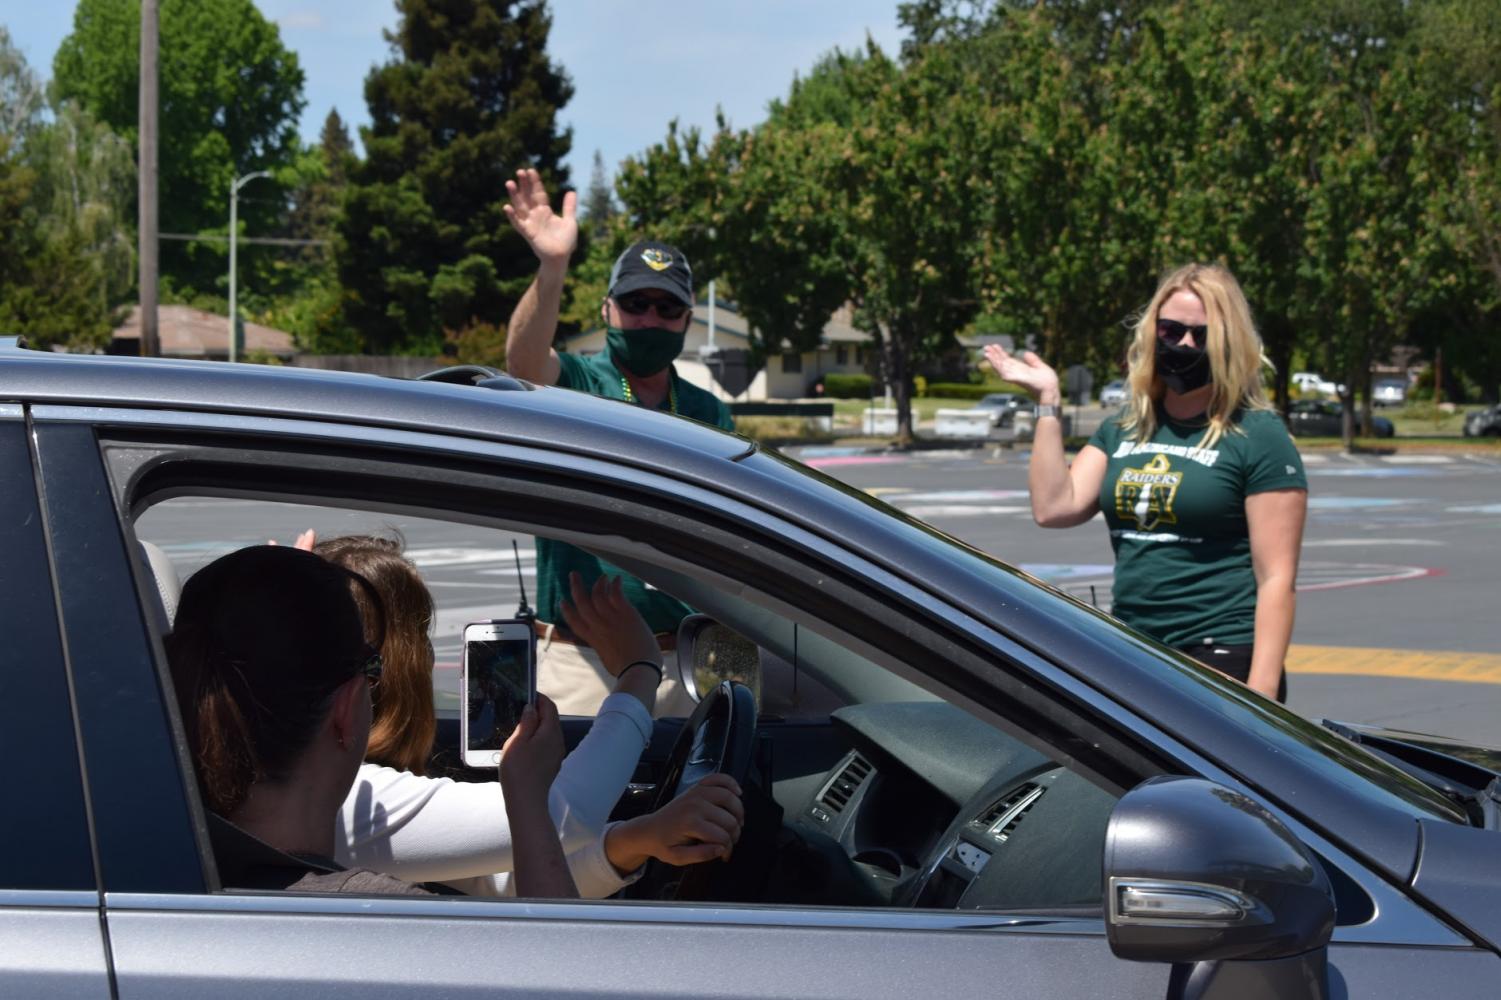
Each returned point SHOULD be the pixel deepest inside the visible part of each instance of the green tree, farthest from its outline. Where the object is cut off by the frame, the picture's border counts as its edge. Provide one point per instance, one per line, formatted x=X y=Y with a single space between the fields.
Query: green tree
x=230 y=97
x=1069 y=200
x=599 y=201
x=469 y=96
x=305 y=301
x=856 y=190
x=65 y=184
x=1460 y=41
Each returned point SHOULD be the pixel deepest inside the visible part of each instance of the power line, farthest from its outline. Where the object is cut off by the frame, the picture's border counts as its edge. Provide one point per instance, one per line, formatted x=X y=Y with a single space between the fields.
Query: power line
x=275 y=241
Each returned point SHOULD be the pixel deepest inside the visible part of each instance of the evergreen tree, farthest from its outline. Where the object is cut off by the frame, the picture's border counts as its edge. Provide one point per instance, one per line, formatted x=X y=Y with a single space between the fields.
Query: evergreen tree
x=469 y=97
x=599 y=201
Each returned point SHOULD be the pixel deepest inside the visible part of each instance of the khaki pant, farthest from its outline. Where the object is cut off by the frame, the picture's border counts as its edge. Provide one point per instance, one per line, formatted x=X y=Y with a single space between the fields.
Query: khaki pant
x=573 y=677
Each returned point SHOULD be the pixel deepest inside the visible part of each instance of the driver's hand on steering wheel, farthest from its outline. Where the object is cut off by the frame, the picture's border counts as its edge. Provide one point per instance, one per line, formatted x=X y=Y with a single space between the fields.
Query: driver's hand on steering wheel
x=700 y=825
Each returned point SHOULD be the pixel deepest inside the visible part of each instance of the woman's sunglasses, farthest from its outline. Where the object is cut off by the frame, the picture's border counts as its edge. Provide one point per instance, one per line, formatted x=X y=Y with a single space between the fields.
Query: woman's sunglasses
x=1173 y=332
x=636 y=304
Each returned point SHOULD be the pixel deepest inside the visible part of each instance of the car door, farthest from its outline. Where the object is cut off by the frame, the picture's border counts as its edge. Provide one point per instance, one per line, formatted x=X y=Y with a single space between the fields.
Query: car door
x=51 y=936
x=173 y=932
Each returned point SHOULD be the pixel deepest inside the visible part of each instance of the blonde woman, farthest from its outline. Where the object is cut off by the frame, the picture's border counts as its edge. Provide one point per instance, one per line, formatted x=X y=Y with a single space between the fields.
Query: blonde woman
x=1201 y=487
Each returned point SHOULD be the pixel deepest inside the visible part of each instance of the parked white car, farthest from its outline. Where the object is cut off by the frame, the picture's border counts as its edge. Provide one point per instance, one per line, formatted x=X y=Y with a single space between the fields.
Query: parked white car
x=1314 y=382
x=1389 y=392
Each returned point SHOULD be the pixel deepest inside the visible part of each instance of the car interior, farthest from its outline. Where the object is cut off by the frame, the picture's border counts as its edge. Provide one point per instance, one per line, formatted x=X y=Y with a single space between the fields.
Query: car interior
x=891 y=758
x=867 y=784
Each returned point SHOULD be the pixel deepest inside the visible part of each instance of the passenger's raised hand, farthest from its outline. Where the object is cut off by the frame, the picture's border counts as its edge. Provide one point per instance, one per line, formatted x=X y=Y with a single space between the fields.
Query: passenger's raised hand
x=305 y=541
x=1028 y=371
x=602 y=617
x=551 y=236
x=702 y=824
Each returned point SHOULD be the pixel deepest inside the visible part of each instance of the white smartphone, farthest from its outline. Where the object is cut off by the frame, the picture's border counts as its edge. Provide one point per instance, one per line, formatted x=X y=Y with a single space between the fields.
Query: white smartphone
x=499 y=680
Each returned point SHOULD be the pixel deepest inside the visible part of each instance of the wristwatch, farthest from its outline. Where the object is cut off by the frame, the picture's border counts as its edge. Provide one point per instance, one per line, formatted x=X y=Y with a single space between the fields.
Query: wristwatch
x=1046 y=410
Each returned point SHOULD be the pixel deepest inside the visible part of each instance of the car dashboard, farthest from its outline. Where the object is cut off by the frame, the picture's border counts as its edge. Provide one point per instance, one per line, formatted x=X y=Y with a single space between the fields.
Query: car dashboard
x=932 y=808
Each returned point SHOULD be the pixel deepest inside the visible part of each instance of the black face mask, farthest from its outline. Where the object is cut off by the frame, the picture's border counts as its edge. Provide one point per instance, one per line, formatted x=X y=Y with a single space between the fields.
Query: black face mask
x=1182 y=369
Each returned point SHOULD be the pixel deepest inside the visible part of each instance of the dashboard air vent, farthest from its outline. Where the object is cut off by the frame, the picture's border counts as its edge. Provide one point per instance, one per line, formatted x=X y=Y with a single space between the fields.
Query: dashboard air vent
x=837 y=793
x=1002 y=818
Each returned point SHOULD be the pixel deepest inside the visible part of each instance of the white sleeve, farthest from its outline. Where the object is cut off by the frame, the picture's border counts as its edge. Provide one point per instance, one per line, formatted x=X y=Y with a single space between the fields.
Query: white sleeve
x=594 y=776
x=439 y=830
x=592 y=873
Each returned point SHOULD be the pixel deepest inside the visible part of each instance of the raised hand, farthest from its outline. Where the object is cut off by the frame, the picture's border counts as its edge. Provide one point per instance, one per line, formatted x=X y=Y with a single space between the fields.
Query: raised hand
x=551 y=236
x=702 y=824
x=603 y=618
x=1028 y=371
x=305 y=541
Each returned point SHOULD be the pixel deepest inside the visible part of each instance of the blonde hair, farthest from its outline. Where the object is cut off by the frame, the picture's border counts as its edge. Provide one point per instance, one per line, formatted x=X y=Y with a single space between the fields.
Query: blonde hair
x=1235 y=354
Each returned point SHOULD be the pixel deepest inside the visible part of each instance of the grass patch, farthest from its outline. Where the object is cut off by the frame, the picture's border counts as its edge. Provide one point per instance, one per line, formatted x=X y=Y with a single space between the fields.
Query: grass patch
x=775 y=431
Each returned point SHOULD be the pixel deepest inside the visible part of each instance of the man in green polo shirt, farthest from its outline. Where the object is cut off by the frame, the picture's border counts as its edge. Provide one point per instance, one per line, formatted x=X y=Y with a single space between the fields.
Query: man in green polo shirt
x=646 y=313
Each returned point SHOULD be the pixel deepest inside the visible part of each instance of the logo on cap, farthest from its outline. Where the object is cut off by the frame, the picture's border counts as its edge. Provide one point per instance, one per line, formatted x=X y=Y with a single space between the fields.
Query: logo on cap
x=657 y=260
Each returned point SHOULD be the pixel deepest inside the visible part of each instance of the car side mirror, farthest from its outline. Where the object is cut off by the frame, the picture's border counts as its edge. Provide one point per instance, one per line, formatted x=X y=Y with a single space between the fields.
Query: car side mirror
x=1195 y=872
x=710 y=653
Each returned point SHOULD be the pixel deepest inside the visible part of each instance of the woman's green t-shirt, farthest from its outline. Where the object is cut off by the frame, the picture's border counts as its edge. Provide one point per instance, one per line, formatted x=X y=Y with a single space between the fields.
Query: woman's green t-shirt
x=1177 y=519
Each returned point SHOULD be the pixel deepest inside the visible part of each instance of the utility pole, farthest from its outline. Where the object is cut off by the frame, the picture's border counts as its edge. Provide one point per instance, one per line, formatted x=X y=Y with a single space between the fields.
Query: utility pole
x=146 y=223
x=234 y=232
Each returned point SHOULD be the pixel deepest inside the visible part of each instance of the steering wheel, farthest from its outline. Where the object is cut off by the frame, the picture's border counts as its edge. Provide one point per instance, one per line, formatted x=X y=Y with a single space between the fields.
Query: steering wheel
x=719 y=737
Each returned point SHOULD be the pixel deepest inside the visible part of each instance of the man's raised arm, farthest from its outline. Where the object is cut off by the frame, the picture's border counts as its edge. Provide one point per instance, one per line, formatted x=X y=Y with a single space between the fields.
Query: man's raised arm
x=552 y=237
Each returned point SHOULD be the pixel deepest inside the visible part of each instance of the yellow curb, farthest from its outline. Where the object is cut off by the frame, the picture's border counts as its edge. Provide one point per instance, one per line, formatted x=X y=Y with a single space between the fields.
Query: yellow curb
x=1428 y=665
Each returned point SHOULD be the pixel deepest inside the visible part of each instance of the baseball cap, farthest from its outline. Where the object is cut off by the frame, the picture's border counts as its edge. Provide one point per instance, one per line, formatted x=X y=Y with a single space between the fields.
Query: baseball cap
x=650 y=264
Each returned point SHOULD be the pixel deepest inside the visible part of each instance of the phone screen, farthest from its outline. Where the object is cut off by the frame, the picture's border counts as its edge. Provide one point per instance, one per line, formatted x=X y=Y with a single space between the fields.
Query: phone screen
x=499 y=685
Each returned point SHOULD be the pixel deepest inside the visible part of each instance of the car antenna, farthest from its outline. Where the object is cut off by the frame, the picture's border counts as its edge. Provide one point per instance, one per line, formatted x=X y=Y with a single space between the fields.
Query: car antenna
x=523 y=610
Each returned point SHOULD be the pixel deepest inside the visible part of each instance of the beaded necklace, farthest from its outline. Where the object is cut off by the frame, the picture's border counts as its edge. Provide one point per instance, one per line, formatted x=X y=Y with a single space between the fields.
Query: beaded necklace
x=630 y=397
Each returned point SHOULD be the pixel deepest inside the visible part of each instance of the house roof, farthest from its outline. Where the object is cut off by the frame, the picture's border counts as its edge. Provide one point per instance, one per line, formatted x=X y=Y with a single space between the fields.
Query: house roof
x=185 y=332
x=727 y=323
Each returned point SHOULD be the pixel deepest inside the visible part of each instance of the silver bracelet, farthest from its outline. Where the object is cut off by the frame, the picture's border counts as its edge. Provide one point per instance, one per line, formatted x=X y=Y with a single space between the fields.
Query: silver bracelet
x=1046 y=410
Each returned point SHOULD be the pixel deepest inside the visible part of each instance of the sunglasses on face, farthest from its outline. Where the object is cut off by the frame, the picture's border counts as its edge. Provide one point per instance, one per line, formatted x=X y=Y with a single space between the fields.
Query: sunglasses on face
x=636 y=304
x=1174 y=332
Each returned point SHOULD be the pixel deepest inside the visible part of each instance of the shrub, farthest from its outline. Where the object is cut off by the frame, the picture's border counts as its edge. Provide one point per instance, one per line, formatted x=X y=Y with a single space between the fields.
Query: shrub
x=959 y=390
x=846 y=386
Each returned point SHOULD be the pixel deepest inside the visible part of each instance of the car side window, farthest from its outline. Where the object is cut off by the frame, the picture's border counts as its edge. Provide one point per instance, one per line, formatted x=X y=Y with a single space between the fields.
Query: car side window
x=905 y=797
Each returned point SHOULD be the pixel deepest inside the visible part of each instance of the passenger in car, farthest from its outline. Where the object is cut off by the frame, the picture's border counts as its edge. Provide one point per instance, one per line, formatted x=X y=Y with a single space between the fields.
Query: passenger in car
x=399 y=821
x=273 y=672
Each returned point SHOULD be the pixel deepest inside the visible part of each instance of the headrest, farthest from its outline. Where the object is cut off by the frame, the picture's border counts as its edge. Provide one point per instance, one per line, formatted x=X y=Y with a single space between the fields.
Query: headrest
x=168 y=586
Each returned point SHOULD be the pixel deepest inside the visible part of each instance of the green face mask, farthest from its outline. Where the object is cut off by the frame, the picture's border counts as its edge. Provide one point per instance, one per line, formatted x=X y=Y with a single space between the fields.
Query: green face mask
x=644 y=351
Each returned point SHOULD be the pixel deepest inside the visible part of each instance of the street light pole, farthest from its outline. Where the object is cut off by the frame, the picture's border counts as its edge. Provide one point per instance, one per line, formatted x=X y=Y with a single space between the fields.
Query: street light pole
x=234 y=229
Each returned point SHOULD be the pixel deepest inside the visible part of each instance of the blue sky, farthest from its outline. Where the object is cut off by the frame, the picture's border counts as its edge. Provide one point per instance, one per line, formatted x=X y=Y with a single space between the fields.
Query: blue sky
x=635 y=64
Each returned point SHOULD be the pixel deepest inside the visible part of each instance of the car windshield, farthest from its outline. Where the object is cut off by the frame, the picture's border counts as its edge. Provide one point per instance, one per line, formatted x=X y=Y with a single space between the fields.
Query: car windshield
x=1342 y=760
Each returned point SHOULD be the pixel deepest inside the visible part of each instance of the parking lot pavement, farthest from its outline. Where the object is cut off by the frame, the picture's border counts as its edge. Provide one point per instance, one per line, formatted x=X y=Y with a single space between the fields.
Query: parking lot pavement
x=1416 y=664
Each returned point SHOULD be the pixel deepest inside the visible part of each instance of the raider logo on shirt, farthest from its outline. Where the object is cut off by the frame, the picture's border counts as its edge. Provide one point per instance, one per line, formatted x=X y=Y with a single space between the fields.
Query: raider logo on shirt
x=1145 y=495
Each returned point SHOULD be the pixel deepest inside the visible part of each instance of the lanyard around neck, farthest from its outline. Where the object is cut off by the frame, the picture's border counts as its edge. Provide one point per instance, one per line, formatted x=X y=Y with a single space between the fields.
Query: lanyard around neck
x=672 y=393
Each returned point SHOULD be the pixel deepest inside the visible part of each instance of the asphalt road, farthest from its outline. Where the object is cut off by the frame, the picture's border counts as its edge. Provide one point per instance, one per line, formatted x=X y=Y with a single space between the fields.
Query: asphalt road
x=1397 y=620
x=1397 y=609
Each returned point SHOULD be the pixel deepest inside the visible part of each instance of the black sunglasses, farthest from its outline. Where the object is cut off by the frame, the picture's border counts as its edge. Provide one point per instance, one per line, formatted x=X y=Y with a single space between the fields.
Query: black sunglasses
x=636 y=304
x=1173 y=332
